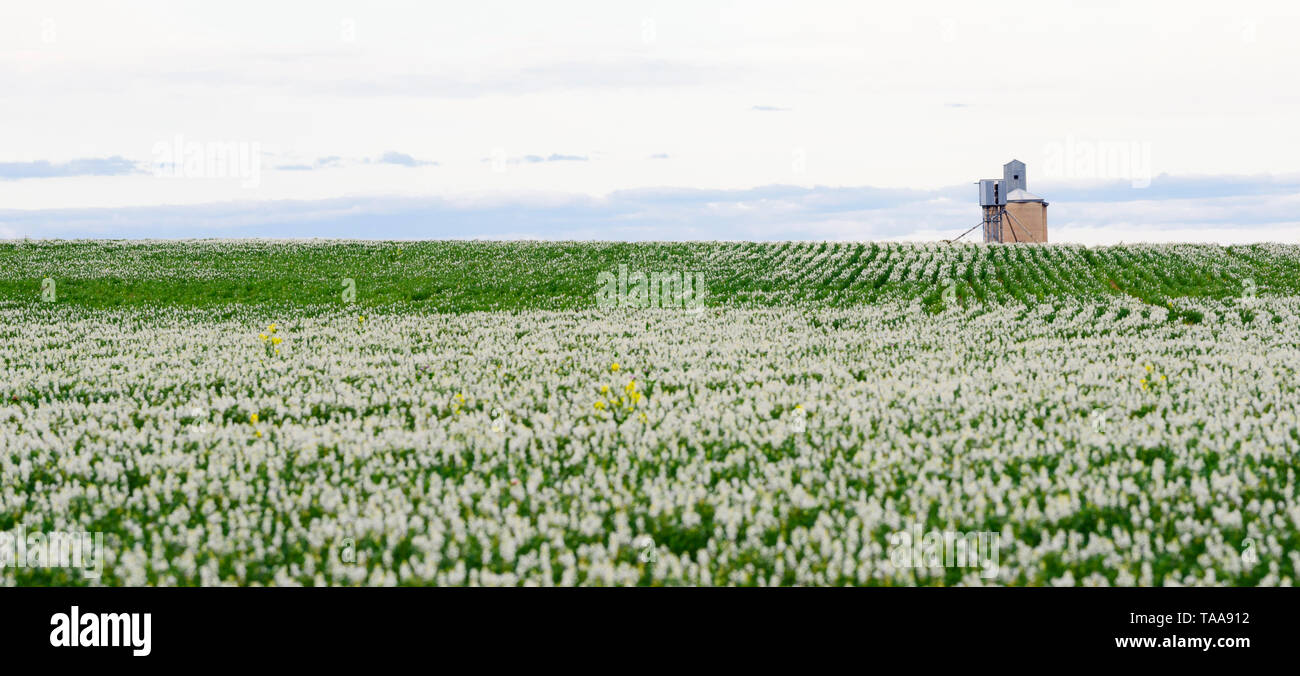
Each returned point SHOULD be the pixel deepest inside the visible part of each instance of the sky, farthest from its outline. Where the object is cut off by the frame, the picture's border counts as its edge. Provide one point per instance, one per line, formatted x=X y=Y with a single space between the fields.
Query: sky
x=1154 y=121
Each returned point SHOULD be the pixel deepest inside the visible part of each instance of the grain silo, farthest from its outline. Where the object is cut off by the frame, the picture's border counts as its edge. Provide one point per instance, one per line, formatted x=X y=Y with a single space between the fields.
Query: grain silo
x=1011 y=212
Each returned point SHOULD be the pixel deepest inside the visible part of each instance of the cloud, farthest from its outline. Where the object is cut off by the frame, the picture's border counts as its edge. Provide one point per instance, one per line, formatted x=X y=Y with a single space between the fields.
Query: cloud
x=1166 y=187
x=539 y=159
x=1237 y=209
x=334 y=161
x=402 y=159
x=555 y=157
x=90 y=166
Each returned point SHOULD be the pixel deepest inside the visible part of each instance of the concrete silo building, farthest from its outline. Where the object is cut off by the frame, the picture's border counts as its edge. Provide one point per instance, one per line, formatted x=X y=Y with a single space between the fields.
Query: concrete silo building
x=1011 y=212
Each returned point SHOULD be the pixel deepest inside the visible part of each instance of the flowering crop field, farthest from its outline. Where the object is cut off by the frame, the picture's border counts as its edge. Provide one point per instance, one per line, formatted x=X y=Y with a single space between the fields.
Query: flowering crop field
x=412 y=413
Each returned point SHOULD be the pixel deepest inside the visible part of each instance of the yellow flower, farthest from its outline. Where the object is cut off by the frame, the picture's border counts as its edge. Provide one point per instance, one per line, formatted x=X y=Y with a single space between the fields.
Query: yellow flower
x=258 y=433
x=1148 y=367
x=600 y=406
x=276 y=340
x=361 y=319
x=604 y=389
x=253 y=418
x=271 y=328
x=614 y=366
x=1162 y=377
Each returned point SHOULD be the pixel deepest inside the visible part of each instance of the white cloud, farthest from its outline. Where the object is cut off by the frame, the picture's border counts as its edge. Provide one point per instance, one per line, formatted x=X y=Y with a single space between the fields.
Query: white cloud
x=667 y=94
x=1246 y=211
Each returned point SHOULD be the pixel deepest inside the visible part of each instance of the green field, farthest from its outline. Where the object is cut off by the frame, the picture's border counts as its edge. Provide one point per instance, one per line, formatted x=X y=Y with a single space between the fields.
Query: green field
x=488 y=276
x=228 y=412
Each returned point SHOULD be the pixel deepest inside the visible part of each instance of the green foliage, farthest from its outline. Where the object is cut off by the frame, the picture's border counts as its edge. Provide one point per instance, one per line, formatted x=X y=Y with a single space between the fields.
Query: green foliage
x=469 y=276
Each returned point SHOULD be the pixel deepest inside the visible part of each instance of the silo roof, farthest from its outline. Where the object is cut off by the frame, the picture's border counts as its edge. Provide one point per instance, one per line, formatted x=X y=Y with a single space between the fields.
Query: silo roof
x=1021 y=195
